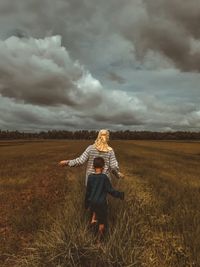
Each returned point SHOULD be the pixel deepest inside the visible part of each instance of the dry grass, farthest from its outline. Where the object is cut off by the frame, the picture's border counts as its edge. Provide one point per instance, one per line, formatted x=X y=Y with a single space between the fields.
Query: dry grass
x=156 y=226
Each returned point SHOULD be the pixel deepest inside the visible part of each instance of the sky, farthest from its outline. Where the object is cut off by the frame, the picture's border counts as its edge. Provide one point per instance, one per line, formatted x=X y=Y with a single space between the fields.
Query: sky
x=90 y=64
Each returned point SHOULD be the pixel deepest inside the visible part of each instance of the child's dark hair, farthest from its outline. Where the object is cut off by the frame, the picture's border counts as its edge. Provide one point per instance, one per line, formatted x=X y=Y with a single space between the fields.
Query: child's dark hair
x=98 y=162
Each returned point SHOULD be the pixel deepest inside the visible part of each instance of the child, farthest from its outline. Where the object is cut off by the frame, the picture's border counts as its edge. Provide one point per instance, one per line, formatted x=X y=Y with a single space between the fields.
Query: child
x=98 y=186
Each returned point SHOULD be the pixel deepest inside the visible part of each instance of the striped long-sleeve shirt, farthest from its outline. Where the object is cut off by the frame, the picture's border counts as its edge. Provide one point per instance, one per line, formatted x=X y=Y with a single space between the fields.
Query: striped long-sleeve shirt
x=89 y=154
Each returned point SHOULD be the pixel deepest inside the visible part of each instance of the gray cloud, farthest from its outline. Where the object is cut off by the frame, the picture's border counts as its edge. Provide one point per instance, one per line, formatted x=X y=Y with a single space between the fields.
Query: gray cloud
x=120 y=64
x=150 y=113
x=184 y=12
x=35 y=118
x=40 y=71
x=116 y=78
x=169 y=27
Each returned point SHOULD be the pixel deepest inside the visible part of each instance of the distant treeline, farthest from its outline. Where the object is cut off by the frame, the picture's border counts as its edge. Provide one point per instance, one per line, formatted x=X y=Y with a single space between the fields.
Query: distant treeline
x=84 y=134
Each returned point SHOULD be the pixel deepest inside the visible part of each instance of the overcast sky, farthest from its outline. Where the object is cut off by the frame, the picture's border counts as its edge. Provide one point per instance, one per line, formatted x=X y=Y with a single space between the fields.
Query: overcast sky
x=90 y=64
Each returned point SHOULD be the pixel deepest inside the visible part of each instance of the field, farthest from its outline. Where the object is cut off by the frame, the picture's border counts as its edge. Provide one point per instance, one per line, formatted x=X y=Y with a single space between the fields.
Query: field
x=43 y=221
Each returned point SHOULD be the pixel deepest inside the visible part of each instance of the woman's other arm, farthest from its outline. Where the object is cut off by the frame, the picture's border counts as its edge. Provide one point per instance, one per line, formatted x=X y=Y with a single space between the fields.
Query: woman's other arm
x=114 y=166
x=113 y=161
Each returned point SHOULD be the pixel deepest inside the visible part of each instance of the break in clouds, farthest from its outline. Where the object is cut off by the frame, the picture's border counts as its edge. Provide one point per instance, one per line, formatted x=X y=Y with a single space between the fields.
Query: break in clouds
x=100 y=64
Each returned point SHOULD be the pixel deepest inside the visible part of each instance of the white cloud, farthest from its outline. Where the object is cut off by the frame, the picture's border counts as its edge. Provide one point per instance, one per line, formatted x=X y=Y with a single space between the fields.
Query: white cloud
x=39 y=71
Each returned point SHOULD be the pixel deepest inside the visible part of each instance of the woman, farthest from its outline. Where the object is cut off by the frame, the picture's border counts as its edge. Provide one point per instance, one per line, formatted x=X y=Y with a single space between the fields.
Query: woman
x=99 y=149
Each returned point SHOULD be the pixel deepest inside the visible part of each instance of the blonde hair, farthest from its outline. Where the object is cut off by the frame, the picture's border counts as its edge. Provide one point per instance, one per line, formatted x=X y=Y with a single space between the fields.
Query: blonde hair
x=101 y=143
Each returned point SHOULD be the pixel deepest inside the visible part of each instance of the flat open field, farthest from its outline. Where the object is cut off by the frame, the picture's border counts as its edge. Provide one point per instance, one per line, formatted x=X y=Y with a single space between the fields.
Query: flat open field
x=43 y=222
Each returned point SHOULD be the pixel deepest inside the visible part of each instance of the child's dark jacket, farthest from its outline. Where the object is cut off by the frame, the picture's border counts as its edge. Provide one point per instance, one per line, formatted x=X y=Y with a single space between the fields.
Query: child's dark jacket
x=98 y=186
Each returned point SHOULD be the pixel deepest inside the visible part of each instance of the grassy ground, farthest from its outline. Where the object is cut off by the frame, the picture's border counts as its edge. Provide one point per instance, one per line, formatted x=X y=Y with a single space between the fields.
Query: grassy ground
x=43 y=223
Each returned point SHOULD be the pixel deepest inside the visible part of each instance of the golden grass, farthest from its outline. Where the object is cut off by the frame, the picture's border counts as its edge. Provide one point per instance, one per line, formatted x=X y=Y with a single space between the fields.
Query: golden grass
x=156 y=226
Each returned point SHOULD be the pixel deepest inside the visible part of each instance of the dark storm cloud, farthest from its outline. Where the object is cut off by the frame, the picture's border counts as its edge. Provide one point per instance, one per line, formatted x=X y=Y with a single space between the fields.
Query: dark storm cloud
x=167 y=27
x=184 y=12
x=116 y=78
x=40 y=71
x=109 y=65
x=18 y=116
x=18 y=33
x=27 y=117
x=171 y=28
x=124 y=118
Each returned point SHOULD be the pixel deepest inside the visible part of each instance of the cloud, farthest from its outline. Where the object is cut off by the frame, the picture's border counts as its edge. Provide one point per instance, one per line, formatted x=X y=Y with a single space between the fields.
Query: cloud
x=40 y=71
x=91 y=27
x=121 y=64
x=116 y=78
x=47 y=89
x=168 y=27
x=15 y=115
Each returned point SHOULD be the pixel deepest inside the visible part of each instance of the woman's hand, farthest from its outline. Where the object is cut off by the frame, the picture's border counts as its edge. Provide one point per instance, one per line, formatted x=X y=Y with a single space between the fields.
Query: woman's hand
x=63 y=163
x=121 y=175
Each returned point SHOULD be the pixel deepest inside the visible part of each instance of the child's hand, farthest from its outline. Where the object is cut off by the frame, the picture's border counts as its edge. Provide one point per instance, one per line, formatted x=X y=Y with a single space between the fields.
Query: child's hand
x=63 y=163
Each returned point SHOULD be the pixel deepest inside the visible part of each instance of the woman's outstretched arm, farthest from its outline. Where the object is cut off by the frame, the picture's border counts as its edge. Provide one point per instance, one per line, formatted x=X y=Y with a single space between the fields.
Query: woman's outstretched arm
x=77 y=161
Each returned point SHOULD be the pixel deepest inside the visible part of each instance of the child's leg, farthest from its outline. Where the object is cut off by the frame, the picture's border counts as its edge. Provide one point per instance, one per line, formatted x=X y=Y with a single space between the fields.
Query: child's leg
x=94 y=218
x=102 y=220
x=93 y=224
x=101 y=229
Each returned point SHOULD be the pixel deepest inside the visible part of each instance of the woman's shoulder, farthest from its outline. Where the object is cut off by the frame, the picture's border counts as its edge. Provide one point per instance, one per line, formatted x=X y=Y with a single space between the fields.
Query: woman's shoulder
x=110 y=149
x=90 y=147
